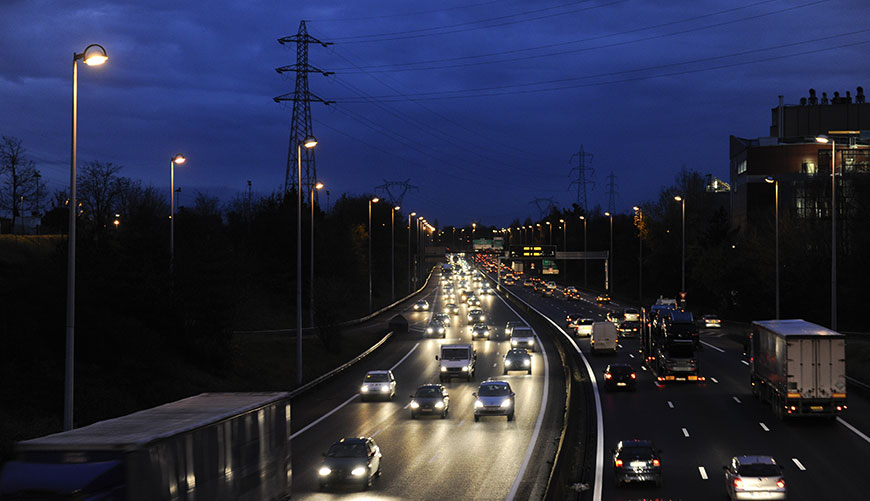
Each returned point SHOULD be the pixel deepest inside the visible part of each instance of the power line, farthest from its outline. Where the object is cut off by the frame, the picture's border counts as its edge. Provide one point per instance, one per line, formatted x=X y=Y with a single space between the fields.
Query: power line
x=405 y=14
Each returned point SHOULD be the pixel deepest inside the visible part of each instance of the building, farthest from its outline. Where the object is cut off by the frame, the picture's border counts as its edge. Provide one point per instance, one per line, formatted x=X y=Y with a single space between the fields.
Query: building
x=800 y=164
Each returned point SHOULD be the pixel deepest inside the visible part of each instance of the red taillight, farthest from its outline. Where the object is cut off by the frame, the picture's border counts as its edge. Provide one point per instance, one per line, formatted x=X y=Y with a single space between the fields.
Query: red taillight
x=780 y=483
x=656 y=462
x=738 y=483
x=607 y=376
x=618 y=463
x=633 y=376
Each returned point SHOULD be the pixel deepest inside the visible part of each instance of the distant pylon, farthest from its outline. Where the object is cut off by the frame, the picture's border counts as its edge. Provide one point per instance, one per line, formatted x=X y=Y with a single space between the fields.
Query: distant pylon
x=544 y=205
x=395 y=191
x=584 y=176
x=300 y=124
x=611 y=192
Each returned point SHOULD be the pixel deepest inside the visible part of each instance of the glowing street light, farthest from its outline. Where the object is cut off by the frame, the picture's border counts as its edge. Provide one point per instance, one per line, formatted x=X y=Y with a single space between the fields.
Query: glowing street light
x=371 y=201
x=178 y=159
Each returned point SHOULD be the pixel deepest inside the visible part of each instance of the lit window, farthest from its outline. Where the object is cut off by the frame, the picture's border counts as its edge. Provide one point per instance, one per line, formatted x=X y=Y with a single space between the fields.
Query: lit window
x=741 y=167
x=808 y=168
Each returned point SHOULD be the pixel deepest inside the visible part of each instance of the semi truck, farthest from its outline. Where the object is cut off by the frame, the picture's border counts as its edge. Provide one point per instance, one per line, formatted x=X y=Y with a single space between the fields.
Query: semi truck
x=456 y=360
x=217 y=446
x=671 y=355
x=798 y=367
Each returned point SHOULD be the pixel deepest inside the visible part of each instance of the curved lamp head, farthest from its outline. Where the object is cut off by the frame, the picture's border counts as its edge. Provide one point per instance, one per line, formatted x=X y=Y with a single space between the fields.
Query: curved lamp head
x=375 y=200
x=821 y=138
x=93 y=55
x=583 y=218
x=319 y=186
x=179 y=159
x=412 y=214
x=769 y=179
x=678 y=198
x=549 y=223
x=310 y=142
x=397 y=208
x=562 y=221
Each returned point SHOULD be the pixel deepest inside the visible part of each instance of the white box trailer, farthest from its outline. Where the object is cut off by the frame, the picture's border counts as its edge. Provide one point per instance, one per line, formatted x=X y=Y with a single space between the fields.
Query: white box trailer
x=799 y=367
x=215 y=446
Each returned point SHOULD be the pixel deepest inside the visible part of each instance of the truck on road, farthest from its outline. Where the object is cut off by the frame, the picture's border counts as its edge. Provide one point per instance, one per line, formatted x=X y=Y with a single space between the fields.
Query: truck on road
x=219 y=446
x=456 y=360
x=671 y=355
x=798 y=367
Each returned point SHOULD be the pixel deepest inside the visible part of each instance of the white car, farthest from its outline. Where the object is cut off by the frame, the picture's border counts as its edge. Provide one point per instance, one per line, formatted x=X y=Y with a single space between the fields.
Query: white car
x=378 y=384
x=421 y=305
x=584 y=327
x=754 y=477
x=631 y=315
x=523 y=337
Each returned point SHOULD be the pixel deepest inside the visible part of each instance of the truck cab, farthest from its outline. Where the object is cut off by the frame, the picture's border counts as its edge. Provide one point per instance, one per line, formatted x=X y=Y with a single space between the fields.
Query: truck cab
x=456 y=360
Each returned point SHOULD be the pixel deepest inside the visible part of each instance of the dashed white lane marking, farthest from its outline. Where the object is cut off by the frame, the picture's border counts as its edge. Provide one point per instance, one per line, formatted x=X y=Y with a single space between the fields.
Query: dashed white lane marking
x=373 y=435
x=630 y=355
x=703 y=472
x=670 y=404
x=764 y=427
x=720 y=350
x=685 y=433
x=744 y=362
x=800 y=465
x=495 y=365
x=461 y=423
x=737 y=400
x=854 y=430
x=714 y=380
x=433 y=457
x=643 y=367
x=407 y=405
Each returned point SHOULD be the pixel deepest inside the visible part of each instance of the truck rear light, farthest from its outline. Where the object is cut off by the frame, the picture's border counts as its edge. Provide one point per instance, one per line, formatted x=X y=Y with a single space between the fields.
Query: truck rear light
x=738 y=483
x=780 y=483
x=840 y=408
x=633 y=375
x=607 y=376
x=656 y=462
x=619 y=463
x=792 y=408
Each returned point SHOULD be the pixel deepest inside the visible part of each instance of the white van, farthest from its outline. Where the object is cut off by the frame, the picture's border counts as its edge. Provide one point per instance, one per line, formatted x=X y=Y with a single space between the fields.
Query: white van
x=604 y=336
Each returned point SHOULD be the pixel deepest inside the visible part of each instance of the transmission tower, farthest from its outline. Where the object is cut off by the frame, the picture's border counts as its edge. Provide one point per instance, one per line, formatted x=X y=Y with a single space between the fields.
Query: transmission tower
x=300 y=124
x=544 y=205
x=584 y=176
x=611 y=192
x=395 y=191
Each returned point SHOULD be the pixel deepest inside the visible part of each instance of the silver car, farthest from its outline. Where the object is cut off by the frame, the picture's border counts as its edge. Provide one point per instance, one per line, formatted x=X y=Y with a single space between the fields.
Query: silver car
x=754 y=477
x=494 y=398
x=479 y=330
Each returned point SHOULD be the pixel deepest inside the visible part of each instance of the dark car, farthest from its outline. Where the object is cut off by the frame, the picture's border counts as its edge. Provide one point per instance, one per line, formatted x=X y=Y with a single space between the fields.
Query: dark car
x=430 y=399
x=517 y=360
x=629 y=329
x=352 y=460
x=619 y=376
x=636 y=461
x=602 y=298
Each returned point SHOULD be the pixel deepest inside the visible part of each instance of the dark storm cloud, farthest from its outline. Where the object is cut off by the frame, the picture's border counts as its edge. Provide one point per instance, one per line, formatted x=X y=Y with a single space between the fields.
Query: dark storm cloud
x=199 y=77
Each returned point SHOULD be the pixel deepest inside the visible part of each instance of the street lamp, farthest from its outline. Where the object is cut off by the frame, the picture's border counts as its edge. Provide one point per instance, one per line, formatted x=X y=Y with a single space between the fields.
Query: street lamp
x=93 y=55
x=639 y=212
x=409 y=250
x=177 y=159
x=610 y=257
x=371 y=201
x=393 y=253
x=550 y=231
x=309 y=142
x=317 y=186
x=585 y=280
x=682 y=201
x=775 y=182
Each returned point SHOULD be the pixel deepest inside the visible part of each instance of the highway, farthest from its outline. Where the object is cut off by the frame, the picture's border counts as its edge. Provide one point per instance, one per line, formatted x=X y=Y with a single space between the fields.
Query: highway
x=431 y=458
x=699 y=427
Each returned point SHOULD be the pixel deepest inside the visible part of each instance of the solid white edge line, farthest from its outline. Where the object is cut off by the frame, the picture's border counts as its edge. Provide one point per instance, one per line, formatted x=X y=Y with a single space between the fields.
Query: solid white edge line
x=800 y=465
x=403 y=358
x=599 y=447
x=854 y=430
x=744 y=362
x=703 y=472
x=720 y=350
x=534 y=440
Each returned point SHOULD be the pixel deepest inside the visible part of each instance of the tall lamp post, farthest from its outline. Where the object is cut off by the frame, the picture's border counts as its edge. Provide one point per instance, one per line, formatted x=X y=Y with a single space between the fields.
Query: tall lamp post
x=610 y=257
x=409 y=250
x=371 y=201
x=550 y=231
x=393 y=253
x=309 y=143
x=585 y=281
x=317 y=186
x=639 y=213
x=177 y=159
x=564 y=245
x=682 y=201
x=775 y=182
x=93 y=55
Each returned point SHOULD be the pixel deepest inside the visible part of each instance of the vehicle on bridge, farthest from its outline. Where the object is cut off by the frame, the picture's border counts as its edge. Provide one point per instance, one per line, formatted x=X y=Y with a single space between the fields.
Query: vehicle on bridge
x=456 y=360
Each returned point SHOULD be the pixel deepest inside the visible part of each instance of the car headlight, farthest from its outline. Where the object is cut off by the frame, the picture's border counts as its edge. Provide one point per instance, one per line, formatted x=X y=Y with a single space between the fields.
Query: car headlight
x=440 y=330
x=325 y=470
x=526 y=362
x=358 y=471
x=507 y=363
x=531 y=342
x=482 y=318
x=506 y=403
x=514 y=342
x=414 y=404
x=364 y=389
x=465 y=368
x=439 y=404
x=478 y=404
x=385 y=389
x=443 y=369
x=429 y=330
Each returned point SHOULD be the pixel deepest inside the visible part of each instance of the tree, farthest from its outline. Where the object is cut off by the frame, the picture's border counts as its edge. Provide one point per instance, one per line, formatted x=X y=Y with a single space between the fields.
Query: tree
x=21 y=180
x=99 y=191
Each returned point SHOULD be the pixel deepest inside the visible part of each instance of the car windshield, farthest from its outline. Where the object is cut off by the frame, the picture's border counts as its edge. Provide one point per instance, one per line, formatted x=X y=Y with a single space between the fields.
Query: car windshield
x=493 y=390
x=454 y=354
x=758 y=470
x=428 y=392
x=636 y=453
x=377 y=378
x=347 y=450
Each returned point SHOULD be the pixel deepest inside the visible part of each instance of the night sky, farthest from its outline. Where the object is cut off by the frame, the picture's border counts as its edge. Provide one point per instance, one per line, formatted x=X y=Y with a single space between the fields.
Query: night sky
x=479 y=103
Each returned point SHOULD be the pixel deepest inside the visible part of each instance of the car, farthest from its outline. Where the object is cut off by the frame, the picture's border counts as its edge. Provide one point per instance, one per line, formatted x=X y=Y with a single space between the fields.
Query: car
x=636 y=461
x=509 y=327
x=602 y=299
x=617 y=376
x=476 y=315
x=528 y=283
x=430 y=399
x=584 y=327
x=378 y=384
x=754 y=477
x=494 y=398
x=479 y=329
x=473 y=301
x=507 y=281
x=571 y=319
x=421 y=305
x=517 y=360
x=630 y=315
x=351 y=460
x=711 y=322
x=451 y=308
x=547 y=292
x=436 y=328
x=550 y=285
x=628 y=329
x=523 y=337
x=443 y=317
